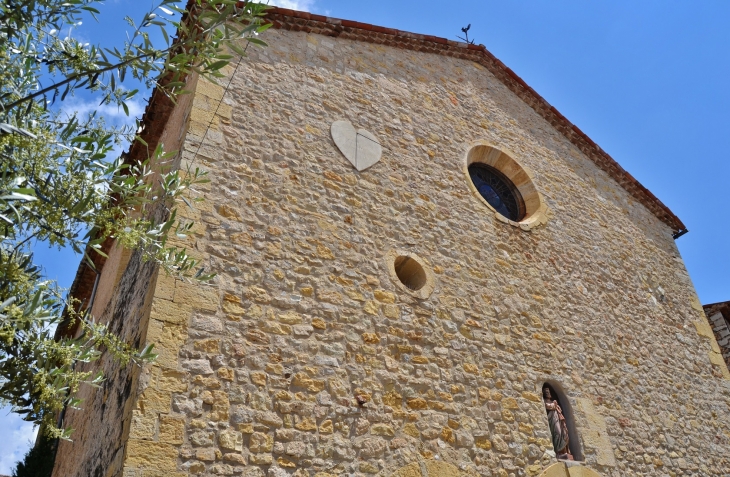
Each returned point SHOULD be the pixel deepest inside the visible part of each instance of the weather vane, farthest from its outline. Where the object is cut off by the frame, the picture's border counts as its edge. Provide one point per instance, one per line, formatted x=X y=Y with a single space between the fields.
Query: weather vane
x=466 y=33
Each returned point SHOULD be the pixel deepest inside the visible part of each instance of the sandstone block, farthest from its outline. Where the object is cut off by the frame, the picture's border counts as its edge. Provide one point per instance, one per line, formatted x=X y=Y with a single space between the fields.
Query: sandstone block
x=152 y=456
x=172 y=430
x=231 y=440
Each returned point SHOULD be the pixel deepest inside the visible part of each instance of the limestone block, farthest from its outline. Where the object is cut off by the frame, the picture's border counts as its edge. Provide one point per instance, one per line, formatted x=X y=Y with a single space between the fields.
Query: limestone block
x=197 y=296
x=151 y=456
x=260 y=442
x=143 y=427
x=231 y=440
x=209 y=90
x=172 y=430
x=176 y=313
x=360 y=147
x=595 y=434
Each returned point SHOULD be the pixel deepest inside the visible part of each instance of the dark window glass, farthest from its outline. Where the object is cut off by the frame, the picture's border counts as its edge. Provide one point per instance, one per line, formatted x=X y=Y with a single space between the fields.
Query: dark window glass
x=498 y=191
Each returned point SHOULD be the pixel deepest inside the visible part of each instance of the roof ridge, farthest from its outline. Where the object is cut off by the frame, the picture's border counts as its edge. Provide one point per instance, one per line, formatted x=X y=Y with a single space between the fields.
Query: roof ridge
x=294 y=20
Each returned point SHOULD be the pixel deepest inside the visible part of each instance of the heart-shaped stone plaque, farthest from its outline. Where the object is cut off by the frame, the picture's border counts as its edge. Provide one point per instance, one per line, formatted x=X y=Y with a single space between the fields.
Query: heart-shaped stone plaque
x=360 y=147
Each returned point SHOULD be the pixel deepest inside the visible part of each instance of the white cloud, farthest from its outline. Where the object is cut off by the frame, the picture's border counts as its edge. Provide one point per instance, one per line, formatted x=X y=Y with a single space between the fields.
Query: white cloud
x=114 y=115
x=302 y=5
x=17 y=437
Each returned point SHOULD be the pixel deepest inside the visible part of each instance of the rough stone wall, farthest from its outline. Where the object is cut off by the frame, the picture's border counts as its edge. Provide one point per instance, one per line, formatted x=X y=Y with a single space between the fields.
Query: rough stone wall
x=261 y=372
x=716 y=315
x=124 y=300
x=102 y=423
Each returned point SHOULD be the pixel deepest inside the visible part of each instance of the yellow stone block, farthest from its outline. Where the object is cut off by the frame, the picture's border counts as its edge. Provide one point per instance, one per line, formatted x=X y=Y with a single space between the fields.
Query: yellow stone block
x=227 y=374
x=384 y=296
x=165 y=286
x=417 y=403
x=370 y=338
x=484 y=393
x=380 y=429
x=261 y=459
x=411 y=430
x=286 y=463
x=258 y=295
x=153 y=401
x=276 y=328
x=210 y=90
x=168 y=343
x=291 y=318
x=306 y=424
x=483 y=443
x=391 y=311
x=371 y=308
x=196 y=295
x=172 y=430
x=208 y=346
x=233 y=308
x=325 y=252
x=526 y=428
x=326 y=427
x=168 y=312
x=510 y=403
x=531 y=396
x=258 y=378
x=167 y=379
x=274 y=368
x=470 y=368
x=533 y=470
x=143 y=427
x=151 y=455
x=260 y=442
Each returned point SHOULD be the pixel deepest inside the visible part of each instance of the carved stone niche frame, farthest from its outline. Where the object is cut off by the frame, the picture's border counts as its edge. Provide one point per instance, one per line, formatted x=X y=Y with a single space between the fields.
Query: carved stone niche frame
x=575 y=445
x=536 y=211
x=410 y=273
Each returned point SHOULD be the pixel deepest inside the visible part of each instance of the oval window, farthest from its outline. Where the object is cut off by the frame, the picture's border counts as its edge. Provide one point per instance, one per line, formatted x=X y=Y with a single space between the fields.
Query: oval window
x=498 y=191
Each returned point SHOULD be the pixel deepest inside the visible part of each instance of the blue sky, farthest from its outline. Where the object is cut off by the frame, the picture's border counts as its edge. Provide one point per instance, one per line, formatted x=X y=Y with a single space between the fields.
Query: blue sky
x=645 y=80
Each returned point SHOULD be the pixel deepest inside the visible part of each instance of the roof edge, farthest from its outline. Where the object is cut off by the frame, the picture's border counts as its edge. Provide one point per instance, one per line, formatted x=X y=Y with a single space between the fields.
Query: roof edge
x=719 y=304
x=293 y=20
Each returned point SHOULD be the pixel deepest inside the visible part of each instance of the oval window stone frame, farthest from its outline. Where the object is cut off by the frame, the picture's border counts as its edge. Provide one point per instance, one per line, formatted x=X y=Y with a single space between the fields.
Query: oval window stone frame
x=430 y=283
x=536 y=211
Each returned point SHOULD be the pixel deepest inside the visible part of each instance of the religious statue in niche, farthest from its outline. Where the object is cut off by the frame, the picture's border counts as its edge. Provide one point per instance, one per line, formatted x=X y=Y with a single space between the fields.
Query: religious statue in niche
x=558 y=426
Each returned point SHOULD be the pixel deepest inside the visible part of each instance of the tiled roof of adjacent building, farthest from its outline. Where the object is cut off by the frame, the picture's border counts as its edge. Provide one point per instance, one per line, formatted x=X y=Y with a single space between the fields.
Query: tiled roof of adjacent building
x=310 y=23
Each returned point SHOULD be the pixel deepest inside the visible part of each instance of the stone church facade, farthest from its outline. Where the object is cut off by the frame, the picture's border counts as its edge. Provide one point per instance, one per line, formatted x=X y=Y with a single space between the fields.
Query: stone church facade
x=389 y=320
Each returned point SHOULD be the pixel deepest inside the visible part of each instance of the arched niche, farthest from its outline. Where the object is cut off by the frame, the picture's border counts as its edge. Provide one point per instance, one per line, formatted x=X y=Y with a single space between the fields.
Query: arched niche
x=559 y=394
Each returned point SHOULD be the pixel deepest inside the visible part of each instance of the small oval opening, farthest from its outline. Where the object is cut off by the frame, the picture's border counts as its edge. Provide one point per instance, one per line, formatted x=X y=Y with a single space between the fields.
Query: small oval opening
x=410 y=272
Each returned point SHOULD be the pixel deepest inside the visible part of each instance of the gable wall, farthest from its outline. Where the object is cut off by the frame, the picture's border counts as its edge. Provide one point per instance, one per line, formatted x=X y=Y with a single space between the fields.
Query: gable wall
x=303 y=317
